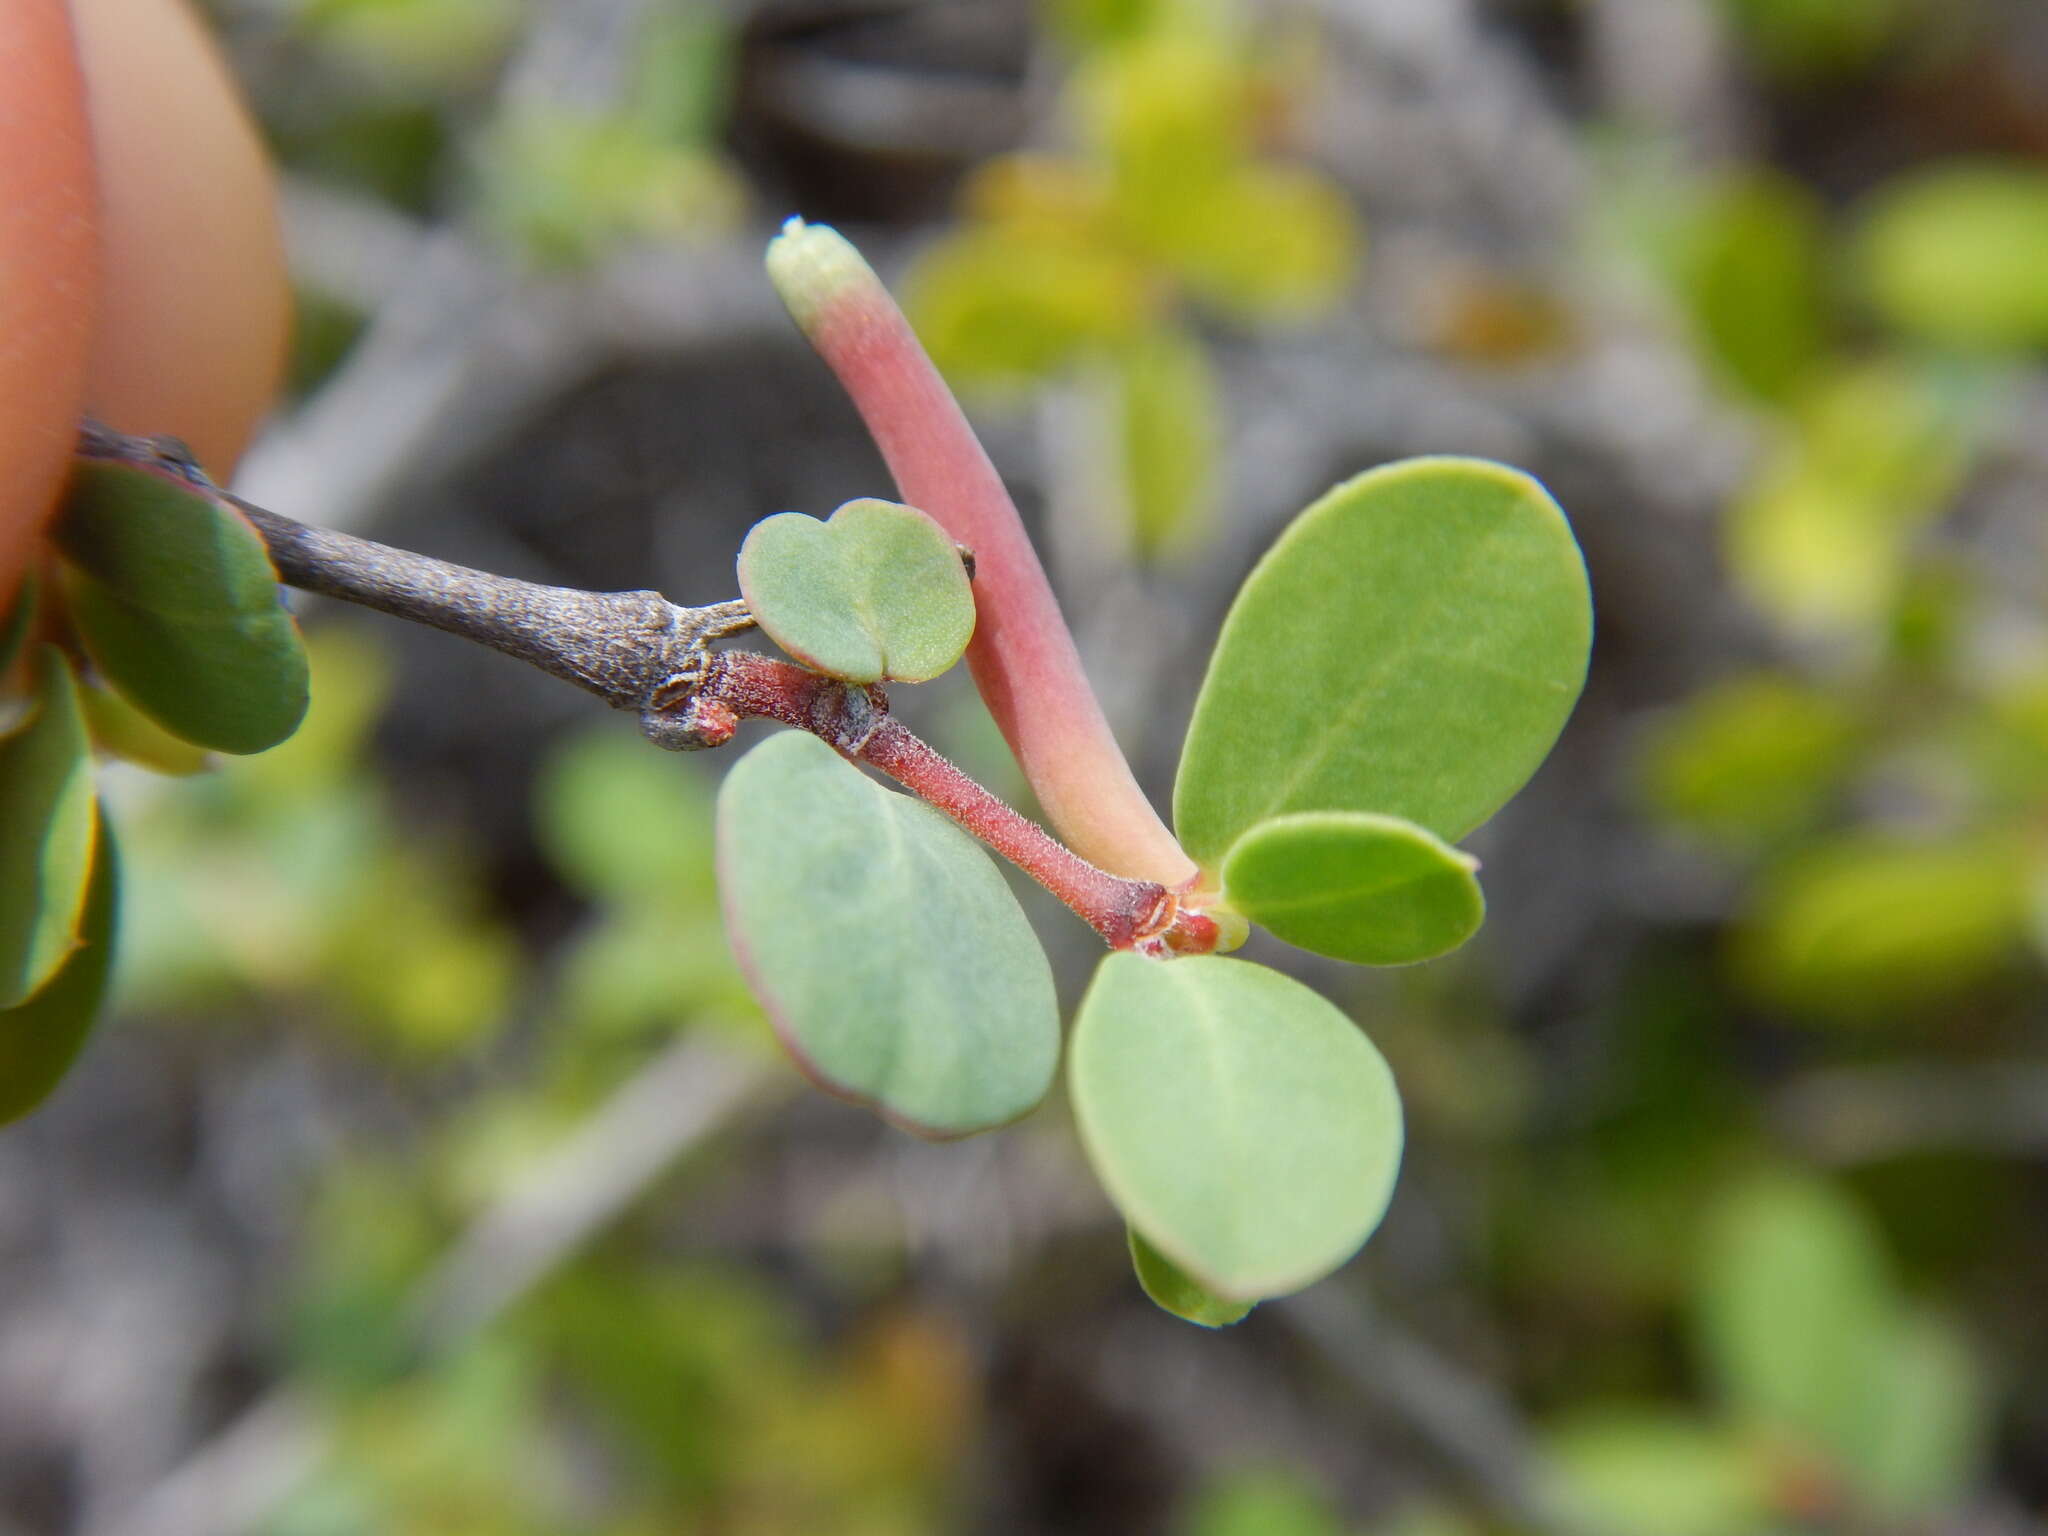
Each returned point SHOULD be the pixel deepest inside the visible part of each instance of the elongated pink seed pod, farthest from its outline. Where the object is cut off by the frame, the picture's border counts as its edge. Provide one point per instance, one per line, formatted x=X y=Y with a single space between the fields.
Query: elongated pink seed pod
x=1023 y=656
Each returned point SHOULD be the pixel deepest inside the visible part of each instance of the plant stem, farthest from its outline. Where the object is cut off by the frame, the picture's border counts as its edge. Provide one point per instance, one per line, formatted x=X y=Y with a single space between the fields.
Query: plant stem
x=638 y=651
x=1022 y=655
x=855 y=721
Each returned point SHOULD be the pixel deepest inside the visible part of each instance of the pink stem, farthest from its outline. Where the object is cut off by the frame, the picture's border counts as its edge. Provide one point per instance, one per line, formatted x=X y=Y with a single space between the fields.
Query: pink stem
x=1022 y=656
x=1129 y=914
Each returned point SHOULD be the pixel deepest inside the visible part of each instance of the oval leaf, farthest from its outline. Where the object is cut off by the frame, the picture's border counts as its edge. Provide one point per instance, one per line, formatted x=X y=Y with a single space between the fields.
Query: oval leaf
x=895 y=962
x=876 y=592
x=1175 y=1291
x=1953 y=253
x=177 y=603
x=46 y=813
x=1372 y=889
x=40 y=1038
x=1243 y=1125
x=1411 y=645
x=121 y=730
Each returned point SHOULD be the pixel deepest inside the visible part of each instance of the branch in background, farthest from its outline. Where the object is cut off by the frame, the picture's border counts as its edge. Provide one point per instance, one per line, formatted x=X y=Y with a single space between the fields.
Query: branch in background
x=674 y=1103
x=1462 y=1418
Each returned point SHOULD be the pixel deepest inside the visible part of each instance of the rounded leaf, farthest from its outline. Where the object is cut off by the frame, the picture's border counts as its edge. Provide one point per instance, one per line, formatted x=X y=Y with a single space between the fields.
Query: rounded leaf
x=40 y=1038
x=177 y=603
x=1411 y=645
x=47 y=827
x=1372 y=889
x=894 y=960
x=1954 y=253
x=875 y=592
x=1244 y=1127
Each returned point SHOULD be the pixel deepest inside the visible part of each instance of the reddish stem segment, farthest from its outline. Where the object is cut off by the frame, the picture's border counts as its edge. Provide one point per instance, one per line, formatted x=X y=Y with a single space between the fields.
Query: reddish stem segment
x=1129 y=914
x=1022 y=656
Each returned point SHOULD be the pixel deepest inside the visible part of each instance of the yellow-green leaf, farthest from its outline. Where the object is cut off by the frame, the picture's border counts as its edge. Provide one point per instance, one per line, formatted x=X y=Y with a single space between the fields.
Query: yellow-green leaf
x=40 y=1038
x=47 y=827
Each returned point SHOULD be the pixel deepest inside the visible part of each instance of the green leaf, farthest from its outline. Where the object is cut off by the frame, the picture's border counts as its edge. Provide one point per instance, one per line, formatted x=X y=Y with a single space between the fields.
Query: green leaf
x=1244 y=1127
x=1411 y=646
x=1867 y=928
x=121 y=730
x=1169 y=420
x=1807 y=40
x=1925 y=1431
x=1654 y=1473
x=896 y=964
x=39 y=1039
x=1751 y=275
x=46 y=815
x=177 y=603
x=1264 y=1502
x=1751 y=759
x=623 y=823
x=1794 y=1296
x=1372 y=889
x=1820 y=538
x=1273 y=242
x=1008 y=305
x=1954 y=254
x=1177 y=1292
x=875 y=592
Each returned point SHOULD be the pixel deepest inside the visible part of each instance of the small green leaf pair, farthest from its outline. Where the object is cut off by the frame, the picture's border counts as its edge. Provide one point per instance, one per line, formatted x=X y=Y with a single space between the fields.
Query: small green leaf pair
x=876 y=593
x=1390 y=675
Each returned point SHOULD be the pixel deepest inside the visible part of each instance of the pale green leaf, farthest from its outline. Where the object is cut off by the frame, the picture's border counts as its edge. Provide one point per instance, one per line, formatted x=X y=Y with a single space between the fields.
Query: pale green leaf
x=1954 y=253
x=1925 y=1430
x=47 y=825
x=1372 y=889
x=623 y=822
x=40 y=1038
x=895 y=962
x=178 y=606
x=1175 y=1291
x=1794 y=1297
x=1649 y=1472
x=1411 y=645
x=875 y=592
x=1244 y=1126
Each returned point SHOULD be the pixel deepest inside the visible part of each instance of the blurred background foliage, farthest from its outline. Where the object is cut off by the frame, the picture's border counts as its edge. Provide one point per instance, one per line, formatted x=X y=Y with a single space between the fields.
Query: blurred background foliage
x=433 y=1173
